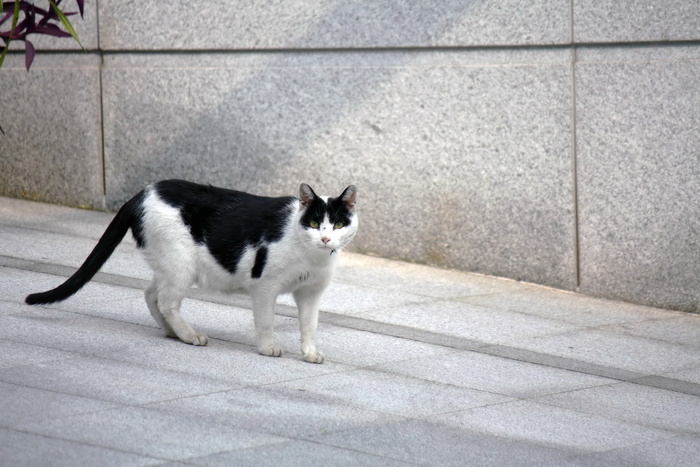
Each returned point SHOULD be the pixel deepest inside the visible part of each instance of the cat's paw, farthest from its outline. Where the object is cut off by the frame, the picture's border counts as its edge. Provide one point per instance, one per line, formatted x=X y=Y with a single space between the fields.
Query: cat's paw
x=199 y=339
x=270 y=351
x=314 y=357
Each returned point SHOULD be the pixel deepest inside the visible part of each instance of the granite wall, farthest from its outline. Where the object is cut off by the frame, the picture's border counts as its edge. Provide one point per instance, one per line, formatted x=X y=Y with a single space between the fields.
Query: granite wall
x=554 y=142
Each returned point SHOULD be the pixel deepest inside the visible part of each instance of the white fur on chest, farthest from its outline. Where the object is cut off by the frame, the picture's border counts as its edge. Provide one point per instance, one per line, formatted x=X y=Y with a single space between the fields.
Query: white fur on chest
x=285 y=271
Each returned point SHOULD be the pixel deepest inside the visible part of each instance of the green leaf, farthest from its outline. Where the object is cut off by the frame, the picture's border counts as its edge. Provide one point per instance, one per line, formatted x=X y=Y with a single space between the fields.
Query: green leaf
x=15 y=18
x=66 y=23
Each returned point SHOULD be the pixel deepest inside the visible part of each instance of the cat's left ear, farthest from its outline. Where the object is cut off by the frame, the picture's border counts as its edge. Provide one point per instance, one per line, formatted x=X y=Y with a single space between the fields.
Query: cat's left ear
x=306 y=194
x=349 y=197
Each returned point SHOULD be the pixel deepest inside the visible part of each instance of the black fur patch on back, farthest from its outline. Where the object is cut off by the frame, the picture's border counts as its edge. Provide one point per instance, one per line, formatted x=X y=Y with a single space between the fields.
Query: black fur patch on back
x=228 y=221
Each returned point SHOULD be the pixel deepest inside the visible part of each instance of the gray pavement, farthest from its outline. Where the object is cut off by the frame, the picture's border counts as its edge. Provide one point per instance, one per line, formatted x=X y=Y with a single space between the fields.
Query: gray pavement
x=424 y=367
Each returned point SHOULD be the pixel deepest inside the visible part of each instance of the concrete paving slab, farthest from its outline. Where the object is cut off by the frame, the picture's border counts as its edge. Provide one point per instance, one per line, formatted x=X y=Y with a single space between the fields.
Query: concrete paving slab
x=13 y=353
x=29 y=449
x=75 y=332
x=493 y=326
x=108 y=380
x=681 y=329
x=296 y=453
x=616 y=350
x=427 y=443
x=279 y=411
x=365 y=348
x=633 y=403
x=551 y=426
x=400 y=395
x=682 y=451
x=571 y=308
x=151 y=433
x=144 y=345
x=691 y=374
x=494 y=374
x=23 y=405
x=385 y=274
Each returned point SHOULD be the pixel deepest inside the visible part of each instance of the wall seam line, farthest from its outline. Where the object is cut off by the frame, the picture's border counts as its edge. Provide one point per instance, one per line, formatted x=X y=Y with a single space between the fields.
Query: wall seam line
x=574 y=155
x=102 y=111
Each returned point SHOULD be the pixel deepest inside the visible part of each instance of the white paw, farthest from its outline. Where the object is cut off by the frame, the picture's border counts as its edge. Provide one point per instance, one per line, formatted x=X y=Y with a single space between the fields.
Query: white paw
x=270 y=351
x=314 y=357
x=198 y=339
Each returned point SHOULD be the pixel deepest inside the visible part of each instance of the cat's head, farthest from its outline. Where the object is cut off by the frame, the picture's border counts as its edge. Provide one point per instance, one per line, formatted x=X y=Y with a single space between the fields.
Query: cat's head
x=326 y=223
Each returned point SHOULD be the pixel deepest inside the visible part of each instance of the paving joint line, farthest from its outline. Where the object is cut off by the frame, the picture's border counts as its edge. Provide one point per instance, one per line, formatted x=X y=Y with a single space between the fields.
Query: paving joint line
x=392 y=330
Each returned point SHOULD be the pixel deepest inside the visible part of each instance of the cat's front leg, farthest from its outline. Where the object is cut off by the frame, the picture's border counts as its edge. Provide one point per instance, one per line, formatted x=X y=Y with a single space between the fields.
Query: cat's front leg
x=264 y=319
x=307 y=303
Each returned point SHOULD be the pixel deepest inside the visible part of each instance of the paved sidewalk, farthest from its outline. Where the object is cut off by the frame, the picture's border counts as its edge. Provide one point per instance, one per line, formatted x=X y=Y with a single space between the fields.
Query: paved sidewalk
x=424 y=367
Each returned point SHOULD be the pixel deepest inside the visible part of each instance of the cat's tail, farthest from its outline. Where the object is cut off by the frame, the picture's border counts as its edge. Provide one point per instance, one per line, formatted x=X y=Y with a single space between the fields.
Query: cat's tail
x=128 y=216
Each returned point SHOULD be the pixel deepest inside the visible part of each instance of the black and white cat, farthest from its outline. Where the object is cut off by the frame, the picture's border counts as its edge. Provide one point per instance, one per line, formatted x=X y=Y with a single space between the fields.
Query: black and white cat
x=229 y=241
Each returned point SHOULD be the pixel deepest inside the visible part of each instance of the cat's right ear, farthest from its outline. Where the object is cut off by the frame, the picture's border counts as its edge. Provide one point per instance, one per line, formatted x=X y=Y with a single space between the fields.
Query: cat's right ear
x=306 y=194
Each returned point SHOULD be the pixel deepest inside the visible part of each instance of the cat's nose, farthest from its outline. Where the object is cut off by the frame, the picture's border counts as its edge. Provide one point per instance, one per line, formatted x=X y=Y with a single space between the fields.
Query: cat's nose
x=325 y=239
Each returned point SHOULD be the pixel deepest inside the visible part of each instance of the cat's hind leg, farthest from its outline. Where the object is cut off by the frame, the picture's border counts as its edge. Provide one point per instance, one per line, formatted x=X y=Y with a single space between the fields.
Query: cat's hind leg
x=152 y=302
x=164 y=304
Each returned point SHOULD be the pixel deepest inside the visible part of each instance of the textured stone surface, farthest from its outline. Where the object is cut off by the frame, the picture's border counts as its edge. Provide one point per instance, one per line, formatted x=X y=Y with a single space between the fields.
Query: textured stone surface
x=400 y=395
x=424 y=443
x=662 y=410
x=551 y=426
x=639 y=169
x=51 y=149
x=28 y=405
x=76 y=376
x=150 y=433
x=679 y=452
x=609 y=348
x=462 y=159
x=467 y=321
x=297 y=453
x=494 y=374
x=59 y=452
x=632 y=21
x=329 y=24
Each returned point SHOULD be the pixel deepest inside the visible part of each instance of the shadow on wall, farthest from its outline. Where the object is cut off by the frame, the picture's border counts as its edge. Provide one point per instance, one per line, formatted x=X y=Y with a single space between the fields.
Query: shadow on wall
x=250 y=120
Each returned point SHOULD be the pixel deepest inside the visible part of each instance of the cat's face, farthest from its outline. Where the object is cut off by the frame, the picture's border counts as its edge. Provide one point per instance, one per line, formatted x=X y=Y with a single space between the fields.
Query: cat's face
x=328 y=223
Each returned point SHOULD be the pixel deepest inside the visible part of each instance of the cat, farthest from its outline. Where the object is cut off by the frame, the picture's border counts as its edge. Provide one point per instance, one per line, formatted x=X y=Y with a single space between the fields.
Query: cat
x=229 y=241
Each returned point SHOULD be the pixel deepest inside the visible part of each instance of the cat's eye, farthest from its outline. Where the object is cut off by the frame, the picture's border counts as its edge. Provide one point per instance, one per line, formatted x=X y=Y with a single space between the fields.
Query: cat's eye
x=313 y=224
x=338 y=225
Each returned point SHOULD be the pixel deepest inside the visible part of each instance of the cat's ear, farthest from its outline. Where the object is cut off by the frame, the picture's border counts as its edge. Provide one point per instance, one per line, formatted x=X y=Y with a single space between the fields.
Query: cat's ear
x=349 y=197
x=306 y=194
